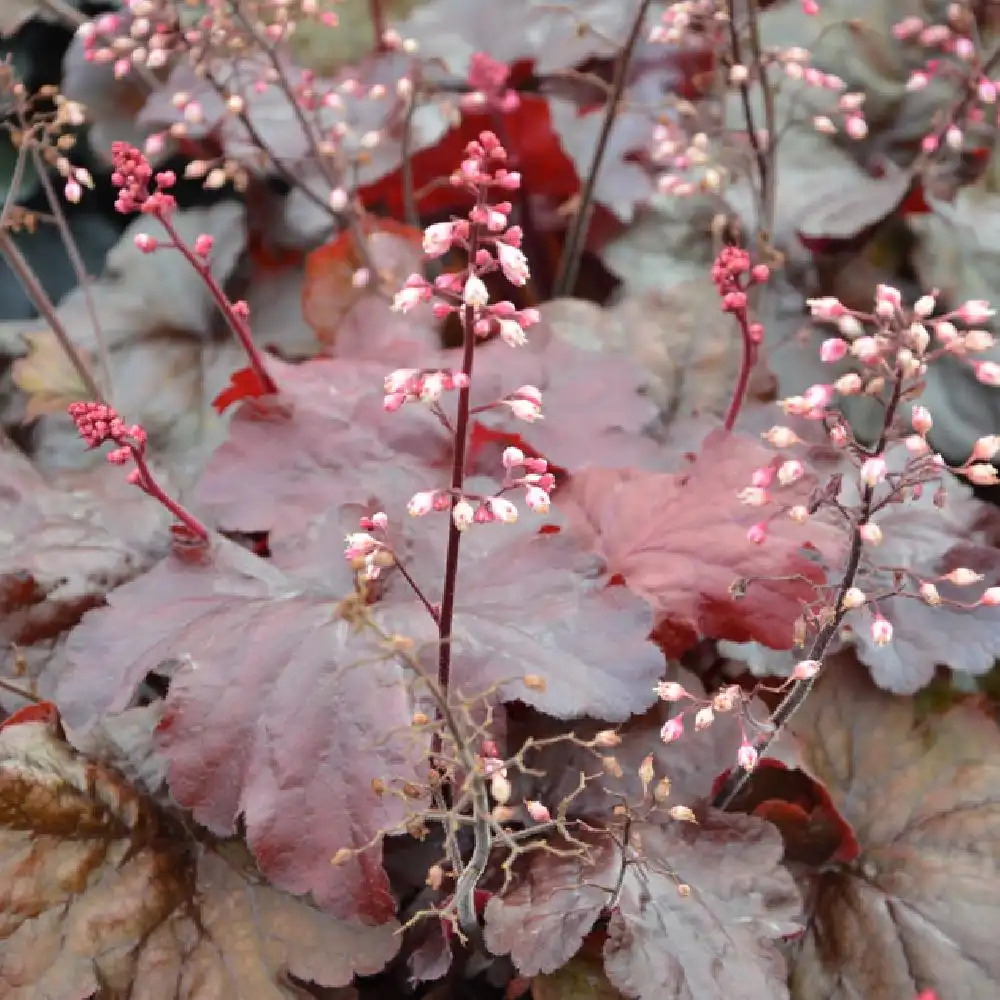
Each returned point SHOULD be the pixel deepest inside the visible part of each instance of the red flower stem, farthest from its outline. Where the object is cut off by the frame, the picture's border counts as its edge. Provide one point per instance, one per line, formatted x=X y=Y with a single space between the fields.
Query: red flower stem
x=238 y=325
x=378 y=23
x=414 y=586
x=150 y=486
x=747 y=362
x=457 y=478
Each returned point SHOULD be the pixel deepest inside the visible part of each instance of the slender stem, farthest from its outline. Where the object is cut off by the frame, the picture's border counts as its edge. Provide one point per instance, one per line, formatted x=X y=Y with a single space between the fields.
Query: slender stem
x=798 y=692
x=79 y=268
x=236 y=323
x=747 y=362
x=24 y=273
x=569 y=266
x=15 y=185
x=379 y=24
x=421 y=596
x=21 y=692
x=150 y=486
x=457 y=480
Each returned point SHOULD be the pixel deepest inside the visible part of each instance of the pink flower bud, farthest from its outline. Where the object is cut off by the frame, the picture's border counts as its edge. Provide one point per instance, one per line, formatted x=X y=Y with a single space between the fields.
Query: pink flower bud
x=985 y=448
x=832 y=350
x=145 y=242
x=929 y=593
x=421 y=503
x=513 y=263
x=73 y=191
x=781 y=437
x=790 y=472
x=672 y=730
x=888 y=301
x=963 y=577
x=854 y=597
x=502 y=509
x=536 y=499
x=512 y=458
x=870 y=533
x=462 y=514
x=826 y=308
x=670 y=691
x=203 y=245
x=990 y=598
x=881 y=631
x=757 y=534
x=704 y=717
x=866 y=349
x=924 y=306
x=856 y=127
x=981 y=474
x=475 y=293
x=438 y=239
x=746 y=757
x=806 y=669
x=873 y=471
x=987 y=372
x=537 y=811
x=380 y=520
x=921 y=419
x=975 y=311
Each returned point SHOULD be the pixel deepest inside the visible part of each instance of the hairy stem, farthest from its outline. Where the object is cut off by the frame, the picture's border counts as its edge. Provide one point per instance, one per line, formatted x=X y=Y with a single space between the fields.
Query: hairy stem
x=446 y=618
x=569 y=266
x=236 y=323
x=747 y=362
x=40 y=300
x=149 y=485
x=799 y=691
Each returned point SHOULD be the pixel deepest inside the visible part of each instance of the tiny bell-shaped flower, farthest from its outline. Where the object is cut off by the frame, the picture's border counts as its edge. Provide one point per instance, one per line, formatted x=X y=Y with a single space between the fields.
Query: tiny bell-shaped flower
x=746 y=757
x=502 y=509
x=475 y=293
x=781 y=437
x=873 y=471
x=607 y=738
x=536 y=499
x=854 y=597
x=962 y=577
x=670 y=691
x=930 y=594
x=806 y=669
x=421 y=503
x=513 y=263
x=537 y=811
x=790 y=472
x=438 y=239
x=704 y=717
x=881 y=631
x=990 y=598
x=512 y=458
x=757 y=533
x=832 y=349
x=870 y=533
x=921 y=419
x=463 y=514
x=672 y=730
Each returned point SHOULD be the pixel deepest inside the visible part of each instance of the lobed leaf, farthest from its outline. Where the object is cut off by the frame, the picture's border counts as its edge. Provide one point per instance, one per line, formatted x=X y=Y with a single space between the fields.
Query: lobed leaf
x=102 y=894
x=916 y=911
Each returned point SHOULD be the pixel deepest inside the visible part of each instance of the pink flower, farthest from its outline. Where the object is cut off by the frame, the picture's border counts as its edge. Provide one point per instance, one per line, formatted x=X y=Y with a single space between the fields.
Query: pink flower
x=511 y=333
x=145 y=242
x=746 y=757
x=475 y=294
x=670 y=691
x=873 y=471
x=463 y=514
x=832 y=350
x=537 y=811
x=537 y=499
x=513 y=263
x=415 y=291
x=826 y=308
x=421 y=503
x=975 y=311
x=757 y=533
x=438 y=239
x=512 y=458
x=502 y=509
x=881 y=631
x=806 y=669
x=672 y=730
x=921 y=419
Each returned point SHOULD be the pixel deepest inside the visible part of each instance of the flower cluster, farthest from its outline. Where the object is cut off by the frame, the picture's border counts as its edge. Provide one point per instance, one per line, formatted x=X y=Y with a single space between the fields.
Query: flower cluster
x=732 y=275
x=98 y=423
x=132 y=174
x=890 y=349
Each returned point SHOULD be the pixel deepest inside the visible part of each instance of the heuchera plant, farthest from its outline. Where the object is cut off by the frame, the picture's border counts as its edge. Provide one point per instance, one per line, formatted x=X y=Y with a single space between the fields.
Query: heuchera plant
x=495 y=740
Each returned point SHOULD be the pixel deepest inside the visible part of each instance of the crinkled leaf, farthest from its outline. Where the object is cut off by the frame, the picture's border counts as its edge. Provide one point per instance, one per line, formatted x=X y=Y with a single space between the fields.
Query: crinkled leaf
x=680 y=541
x=315 y=447
x=278 y=713
x=62 y=549
x=717 y=942
x=918 y=908
x=535 y=604
x=100 y=895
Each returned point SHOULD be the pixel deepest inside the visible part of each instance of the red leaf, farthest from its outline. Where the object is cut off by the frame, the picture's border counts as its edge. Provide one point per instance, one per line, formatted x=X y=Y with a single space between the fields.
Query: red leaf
x=919 y=910
x=244 y=383
x=278 y=712
x=716 y=943
x=529 y=138
x=811 y=826
x=680 y=542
